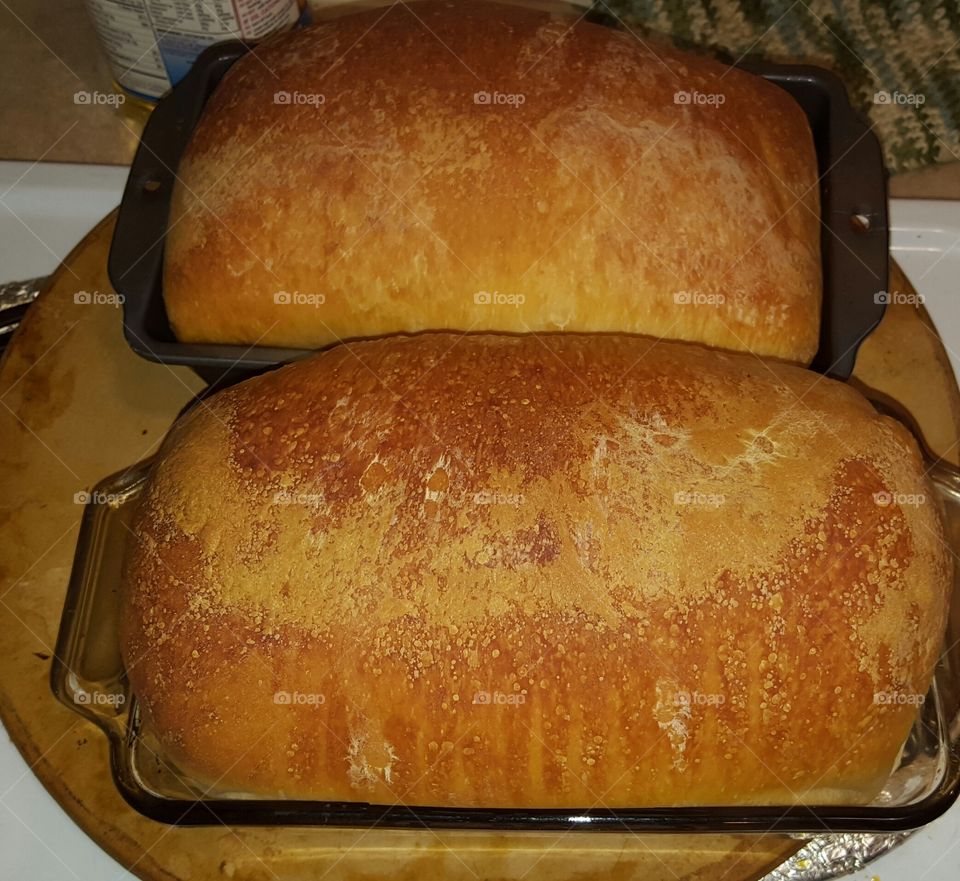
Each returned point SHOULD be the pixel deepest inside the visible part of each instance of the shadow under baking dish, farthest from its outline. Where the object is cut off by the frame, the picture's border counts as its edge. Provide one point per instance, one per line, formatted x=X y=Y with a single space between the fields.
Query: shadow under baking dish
x=88 y=677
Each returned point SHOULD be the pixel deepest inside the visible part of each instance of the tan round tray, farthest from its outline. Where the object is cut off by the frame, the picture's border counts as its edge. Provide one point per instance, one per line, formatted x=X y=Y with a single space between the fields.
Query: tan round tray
x=75 y=406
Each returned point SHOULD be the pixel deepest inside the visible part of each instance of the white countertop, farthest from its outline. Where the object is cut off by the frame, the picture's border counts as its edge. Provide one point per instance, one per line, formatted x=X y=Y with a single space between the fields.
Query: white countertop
x=46 y=209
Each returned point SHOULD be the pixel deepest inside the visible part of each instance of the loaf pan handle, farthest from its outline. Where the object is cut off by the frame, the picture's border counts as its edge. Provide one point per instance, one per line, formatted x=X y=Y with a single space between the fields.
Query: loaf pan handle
x=854 y=238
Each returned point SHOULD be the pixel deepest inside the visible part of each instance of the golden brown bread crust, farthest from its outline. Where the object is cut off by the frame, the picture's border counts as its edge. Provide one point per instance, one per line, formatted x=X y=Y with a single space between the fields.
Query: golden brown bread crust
x=400 y=525
x=598 y=201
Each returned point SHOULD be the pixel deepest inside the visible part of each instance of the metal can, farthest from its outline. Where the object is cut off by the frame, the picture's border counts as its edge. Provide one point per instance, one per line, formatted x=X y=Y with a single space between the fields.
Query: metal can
x=151 y=44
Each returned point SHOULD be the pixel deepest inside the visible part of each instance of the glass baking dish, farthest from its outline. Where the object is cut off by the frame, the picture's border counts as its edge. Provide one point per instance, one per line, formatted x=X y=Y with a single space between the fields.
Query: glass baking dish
x=88 y=677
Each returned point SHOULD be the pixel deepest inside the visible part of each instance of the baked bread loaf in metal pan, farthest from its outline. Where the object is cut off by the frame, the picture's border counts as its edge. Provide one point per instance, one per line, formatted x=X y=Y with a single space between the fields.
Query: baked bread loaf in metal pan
x=480 y=166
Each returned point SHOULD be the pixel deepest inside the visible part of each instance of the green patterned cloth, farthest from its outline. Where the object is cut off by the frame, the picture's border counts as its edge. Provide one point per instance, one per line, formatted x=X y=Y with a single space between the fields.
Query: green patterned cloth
x=900 y=60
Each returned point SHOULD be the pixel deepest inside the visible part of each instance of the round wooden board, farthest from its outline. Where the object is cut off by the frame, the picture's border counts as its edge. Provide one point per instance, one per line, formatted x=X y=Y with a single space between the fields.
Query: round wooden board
x=77 y=405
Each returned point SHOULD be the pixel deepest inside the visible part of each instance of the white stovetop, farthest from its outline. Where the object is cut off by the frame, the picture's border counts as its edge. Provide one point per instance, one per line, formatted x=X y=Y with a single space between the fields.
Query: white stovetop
x=46 y=209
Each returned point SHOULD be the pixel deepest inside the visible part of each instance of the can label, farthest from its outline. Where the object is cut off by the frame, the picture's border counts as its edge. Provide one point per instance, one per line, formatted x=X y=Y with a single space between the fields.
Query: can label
x=151 y=44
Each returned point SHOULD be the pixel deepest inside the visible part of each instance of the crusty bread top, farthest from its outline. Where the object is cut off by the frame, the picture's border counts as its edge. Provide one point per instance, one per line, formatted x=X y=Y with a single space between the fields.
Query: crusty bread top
x=596 y=523
x=401 y=204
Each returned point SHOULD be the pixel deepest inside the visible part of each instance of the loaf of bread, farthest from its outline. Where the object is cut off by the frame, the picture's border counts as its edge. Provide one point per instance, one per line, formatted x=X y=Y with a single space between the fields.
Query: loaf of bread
x=480 y=166
x=550 y=571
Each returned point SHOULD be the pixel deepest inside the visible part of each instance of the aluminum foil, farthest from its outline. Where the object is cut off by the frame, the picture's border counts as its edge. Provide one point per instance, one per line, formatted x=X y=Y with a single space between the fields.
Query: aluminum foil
x=832 y=856
x=15 y=296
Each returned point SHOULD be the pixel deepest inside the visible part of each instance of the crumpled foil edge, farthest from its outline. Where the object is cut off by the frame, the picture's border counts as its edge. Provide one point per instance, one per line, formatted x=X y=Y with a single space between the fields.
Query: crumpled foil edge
x=832 y=856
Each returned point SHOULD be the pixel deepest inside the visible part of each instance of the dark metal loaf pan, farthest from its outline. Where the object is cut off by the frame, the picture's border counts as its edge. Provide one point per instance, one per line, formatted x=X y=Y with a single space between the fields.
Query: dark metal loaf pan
x=854 y=236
